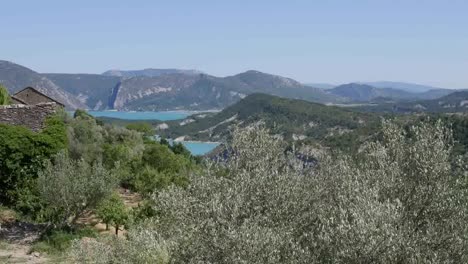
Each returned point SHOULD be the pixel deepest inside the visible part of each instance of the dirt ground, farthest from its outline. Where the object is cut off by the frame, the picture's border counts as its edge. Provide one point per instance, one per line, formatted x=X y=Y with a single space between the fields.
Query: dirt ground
x=16 y=237
x=16 y=253
x=15 y=243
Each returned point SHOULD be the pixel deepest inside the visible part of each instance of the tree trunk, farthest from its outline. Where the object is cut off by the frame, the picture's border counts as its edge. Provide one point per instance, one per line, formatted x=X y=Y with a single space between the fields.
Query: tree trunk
x=107 y=226
x=116 y=230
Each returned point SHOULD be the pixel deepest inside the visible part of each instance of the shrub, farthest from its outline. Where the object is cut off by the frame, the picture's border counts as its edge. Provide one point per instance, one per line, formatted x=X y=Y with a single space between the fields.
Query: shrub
x=69 y=187
x=60 y=240
x=22 y=155
x=4 y=96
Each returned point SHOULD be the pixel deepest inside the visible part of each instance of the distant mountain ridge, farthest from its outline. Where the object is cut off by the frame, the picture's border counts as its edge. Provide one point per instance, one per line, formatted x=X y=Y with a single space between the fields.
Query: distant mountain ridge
x=408 y=87
x=455 y=102
x=363 y=92
x=182 y=91
x=358 y=92
x=148 y=72
x=173 y=89
x=16 y=77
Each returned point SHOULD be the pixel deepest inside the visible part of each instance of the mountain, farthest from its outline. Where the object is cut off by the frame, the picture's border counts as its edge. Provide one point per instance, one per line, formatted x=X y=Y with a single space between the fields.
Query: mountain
x=363 y=93
x=188 y=91
x=149 y=72
x=94 y=90
x=16 y=77
x=452 y=103
x=408 y=87
x=324 y=86
x=288 y=118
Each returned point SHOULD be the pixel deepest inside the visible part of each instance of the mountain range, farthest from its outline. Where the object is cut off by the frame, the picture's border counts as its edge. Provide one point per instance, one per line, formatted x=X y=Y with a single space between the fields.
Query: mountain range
x=172 y=89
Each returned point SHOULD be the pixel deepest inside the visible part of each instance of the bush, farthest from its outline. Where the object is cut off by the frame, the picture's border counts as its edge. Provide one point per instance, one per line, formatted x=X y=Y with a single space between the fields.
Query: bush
x=22 y=156
x=59 y=241
x=4 y=96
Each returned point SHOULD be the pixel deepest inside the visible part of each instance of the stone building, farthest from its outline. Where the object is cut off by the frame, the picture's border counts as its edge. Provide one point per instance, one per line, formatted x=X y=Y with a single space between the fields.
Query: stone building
x=31 y=96
x=30 y=109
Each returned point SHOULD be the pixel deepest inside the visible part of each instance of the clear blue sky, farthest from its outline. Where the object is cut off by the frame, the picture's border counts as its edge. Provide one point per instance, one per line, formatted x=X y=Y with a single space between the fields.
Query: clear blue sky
x=424 y=41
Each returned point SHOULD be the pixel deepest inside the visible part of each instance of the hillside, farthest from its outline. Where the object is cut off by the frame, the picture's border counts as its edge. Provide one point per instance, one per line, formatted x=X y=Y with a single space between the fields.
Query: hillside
x=356 y=92
x=408 y=87
x=182 y=91
x=363 y=93
x=452 y=103
x=288 y=118
x=94 y=90
x=16 y=77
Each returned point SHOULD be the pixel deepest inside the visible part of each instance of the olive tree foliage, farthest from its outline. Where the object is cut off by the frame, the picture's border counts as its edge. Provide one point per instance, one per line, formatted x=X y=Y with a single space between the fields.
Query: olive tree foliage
x=70 y=187
x=400 y=200
x=85 y=138
x=4 y=96
x=113 y=211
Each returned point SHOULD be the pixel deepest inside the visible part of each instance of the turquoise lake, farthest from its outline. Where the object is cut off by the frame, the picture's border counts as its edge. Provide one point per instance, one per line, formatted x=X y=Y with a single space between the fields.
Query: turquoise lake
x=163 y=116
x=199 y=148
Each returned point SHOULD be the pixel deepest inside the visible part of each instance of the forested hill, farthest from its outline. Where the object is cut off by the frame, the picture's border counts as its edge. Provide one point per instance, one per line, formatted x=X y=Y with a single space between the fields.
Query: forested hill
x=289 y=118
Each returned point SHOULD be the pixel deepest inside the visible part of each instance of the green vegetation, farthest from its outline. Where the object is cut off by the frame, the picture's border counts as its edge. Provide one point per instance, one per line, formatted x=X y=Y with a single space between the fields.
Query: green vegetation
x=69 y=187
x=22 y=157
x=4 y=96
x=112 y=211
x=58 y=241
x=375 y=192
x=455 y=102
x=294 y=120
x=399 y=199
x=73 y=166
x=144 y=128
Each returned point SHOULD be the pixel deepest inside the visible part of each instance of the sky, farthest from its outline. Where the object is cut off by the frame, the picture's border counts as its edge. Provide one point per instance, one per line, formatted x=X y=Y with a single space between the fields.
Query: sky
x=318 y=41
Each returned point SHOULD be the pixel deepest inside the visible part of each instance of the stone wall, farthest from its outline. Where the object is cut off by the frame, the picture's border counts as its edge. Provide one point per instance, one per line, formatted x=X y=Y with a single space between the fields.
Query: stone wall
x=30 y=116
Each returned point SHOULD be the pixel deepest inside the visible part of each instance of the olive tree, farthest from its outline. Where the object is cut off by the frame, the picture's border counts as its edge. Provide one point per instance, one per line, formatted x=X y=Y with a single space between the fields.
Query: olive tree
x=112 y=211
x=399 y=200
x=70 y=187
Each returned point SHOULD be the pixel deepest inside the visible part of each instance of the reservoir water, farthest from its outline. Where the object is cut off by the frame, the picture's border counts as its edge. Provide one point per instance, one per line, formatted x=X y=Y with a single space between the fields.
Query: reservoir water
x=200 y=148
x=163 y=116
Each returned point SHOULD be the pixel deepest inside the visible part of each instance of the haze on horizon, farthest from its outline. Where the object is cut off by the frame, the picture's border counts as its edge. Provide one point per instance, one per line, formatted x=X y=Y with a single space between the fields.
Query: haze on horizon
x=336 y=41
